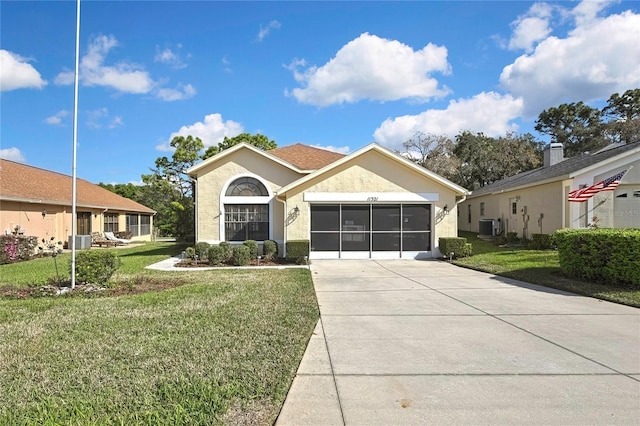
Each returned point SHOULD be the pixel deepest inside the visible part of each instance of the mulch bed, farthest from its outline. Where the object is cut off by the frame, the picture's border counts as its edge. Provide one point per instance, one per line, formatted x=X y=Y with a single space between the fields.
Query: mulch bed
x=188 y=263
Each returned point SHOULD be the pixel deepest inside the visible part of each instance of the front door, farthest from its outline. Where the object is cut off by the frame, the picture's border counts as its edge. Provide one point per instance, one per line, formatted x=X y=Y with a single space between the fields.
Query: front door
x=83 y=223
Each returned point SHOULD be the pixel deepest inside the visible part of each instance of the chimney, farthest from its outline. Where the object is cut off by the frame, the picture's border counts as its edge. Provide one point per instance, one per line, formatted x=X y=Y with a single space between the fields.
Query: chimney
x=553 y=154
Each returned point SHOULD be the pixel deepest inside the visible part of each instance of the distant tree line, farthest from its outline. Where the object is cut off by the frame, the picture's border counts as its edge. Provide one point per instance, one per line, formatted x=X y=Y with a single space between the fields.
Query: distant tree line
x=473 y=160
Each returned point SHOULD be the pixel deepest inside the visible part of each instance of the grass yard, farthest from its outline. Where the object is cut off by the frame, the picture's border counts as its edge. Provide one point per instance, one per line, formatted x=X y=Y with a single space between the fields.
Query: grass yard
x=538 y=267
x=216 y=347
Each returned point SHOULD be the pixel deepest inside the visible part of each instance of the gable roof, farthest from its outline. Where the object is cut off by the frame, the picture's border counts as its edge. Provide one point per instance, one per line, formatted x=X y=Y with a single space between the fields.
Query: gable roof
x=299 y=158
x=565 y=169
x=20 y=182
x=192 y=171
x=306 y=157
x=386 y=152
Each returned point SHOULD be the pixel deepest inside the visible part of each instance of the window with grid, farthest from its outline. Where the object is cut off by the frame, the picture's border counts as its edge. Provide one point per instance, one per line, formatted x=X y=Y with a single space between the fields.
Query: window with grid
x=132 y=224
x=246 y=222
x=145 y=224
x=111 y=222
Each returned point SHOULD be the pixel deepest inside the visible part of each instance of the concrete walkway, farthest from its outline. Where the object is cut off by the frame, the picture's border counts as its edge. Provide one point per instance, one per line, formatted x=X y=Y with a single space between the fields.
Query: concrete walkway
x=425 y=342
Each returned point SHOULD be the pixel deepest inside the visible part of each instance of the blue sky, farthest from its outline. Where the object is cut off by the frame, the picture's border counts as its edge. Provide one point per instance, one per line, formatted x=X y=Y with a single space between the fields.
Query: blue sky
x=338 y=75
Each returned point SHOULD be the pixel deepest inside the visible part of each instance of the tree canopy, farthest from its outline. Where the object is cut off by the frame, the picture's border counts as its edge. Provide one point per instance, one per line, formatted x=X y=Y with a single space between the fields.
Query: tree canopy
x=257 y=140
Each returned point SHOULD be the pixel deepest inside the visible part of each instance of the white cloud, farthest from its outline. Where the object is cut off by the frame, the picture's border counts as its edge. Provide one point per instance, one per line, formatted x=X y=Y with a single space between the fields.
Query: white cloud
x=170 y=57
x=123 y=77
x=370 y=67
x=211 y=130
x=184 y=91
x=99 y=118
x=489 y=113
x=56 y=119
x=531 y=27
x=226 y=63
x=338 y=149
x=12 y=154
x=595 y=60
x=17 y=73
x=266 y=30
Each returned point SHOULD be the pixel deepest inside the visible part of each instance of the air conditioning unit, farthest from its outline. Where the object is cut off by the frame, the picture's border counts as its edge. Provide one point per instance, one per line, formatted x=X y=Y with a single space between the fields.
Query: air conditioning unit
x=487 y=227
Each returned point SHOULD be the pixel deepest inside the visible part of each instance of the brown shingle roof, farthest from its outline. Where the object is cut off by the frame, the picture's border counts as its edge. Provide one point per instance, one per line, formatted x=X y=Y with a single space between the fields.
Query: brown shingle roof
x=306 y=157
x=28 y=183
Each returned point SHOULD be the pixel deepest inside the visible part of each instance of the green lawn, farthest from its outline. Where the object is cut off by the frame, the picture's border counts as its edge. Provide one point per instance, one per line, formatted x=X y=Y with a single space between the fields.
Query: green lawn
x=538 y=267
x=211 y=347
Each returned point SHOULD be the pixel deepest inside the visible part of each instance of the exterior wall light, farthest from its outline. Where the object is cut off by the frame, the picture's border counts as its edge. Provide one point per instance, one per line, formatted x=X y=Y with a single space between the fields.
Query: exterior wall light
x=44 y=213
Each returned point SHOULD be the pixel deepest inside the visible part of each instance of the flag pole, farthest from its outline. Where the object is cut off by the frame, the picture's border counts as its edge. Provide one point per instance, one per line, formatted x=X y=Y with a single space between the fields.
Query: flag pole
x=74 y=220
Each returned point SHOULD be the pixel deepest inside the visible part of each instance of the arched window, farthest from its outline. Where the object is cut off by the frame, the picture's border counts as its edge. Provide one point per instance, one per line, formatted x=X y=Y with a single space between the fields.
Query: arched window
x=246 y=210
x=246 y=187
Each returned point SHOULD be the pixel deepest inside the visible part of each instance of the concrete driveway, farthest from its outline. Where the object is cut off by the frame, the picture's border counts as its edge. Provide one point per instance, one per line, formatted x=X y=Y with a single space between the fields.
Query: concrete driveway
x=425 y=342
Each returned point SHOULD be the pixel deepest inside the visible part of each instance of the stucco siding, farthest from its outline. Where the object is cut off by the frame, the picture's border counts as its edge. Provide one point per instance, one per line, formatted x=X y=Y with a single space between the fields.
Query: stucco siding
x=212 y=180
x=373 y=173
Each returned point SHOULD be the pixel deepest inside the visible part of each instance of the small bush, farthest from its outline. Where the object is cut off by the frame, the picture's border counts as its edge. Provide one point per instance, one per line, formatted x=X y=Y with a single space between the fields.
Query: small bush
x=270 y=249
x=298 y=250
x=241 y=255
x=202 y=249
x=253 y=248
x=541 y=241
x=190 y=253
x=512 y=237
x=228 y=250
x=455 y=247
x=95 y=267
x=216 y=255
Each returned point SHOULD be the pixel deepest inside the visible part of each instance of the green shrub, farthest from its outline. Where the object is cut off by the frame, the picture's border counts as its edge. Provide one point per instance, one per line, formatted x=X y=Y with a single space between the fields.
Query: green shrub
x=241 y=255
x=216 y=255
x=253 y=248
x=202 y=249
x=600 y=255
x=541 y=241
x=270 y=249
x=298 y=251
x=455 y=247
x=95 y=266
x=228 y=250
x=190 y=253
x=512 y=237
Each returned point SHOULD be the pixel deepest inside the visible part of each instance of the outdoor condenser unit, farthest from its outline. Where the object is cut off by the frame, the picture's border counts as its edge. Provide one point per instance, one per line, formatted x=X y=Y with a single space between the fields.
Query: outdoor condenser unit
x=487 y=227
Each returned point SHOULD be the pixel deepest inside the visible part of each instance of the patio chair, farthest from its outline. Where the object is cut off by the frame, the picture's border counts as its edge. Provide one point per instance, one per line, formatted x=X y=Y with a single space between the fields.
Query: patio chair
x=98 y=240
x=111 y=237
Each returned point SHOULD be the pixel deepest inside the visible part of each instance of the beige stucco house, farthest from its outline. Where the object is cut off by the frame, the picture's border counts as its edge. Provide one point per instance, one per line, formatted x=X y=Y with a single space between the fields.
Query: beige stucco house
x=38 y=202
x=372 y=203
x=536 y=201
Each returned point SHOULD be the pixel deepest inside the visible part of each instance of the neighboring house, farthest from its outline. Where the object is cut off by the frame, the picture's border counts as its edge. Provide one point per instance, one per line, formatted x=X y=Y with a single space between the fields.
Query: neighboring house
x=536 y=201
x=372 y=203
x=38 y=202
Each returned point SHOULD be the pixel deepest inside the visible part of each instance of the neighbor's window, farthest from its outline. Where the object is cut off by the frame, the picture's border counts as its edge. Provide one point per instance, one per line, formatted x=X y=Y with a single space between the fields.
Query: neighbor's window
x=111 y=222
x=514 y=208
x=469 y=212
x=481 y=209
x=132 y=224
x=145 y=224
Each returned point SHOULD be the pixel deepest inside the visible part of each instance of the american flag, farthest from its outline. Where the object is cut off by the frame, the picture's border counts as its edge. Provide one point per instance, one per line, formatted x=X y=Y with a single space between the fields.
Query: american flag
x=609 y=184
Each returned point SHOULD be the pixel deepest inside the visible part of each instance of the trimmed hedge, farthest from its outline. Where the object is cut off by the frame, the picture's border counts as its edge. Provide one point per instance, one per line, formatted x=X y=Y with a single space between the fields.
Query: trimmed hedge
x=456 y=245
x=228 y=250
x=600 y=255
x=202 y=249
x=241 y=255
x=216 y=255
x=253 y=248
x=95 y=266
x=297 y=250
x=541 y=241
x=270 y=249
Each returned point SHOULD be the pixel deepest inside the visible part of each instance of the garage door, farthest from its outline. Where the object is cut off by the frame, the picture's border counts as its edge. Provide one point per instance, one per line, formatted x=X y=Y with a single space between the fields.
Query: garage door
x=370 y=230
